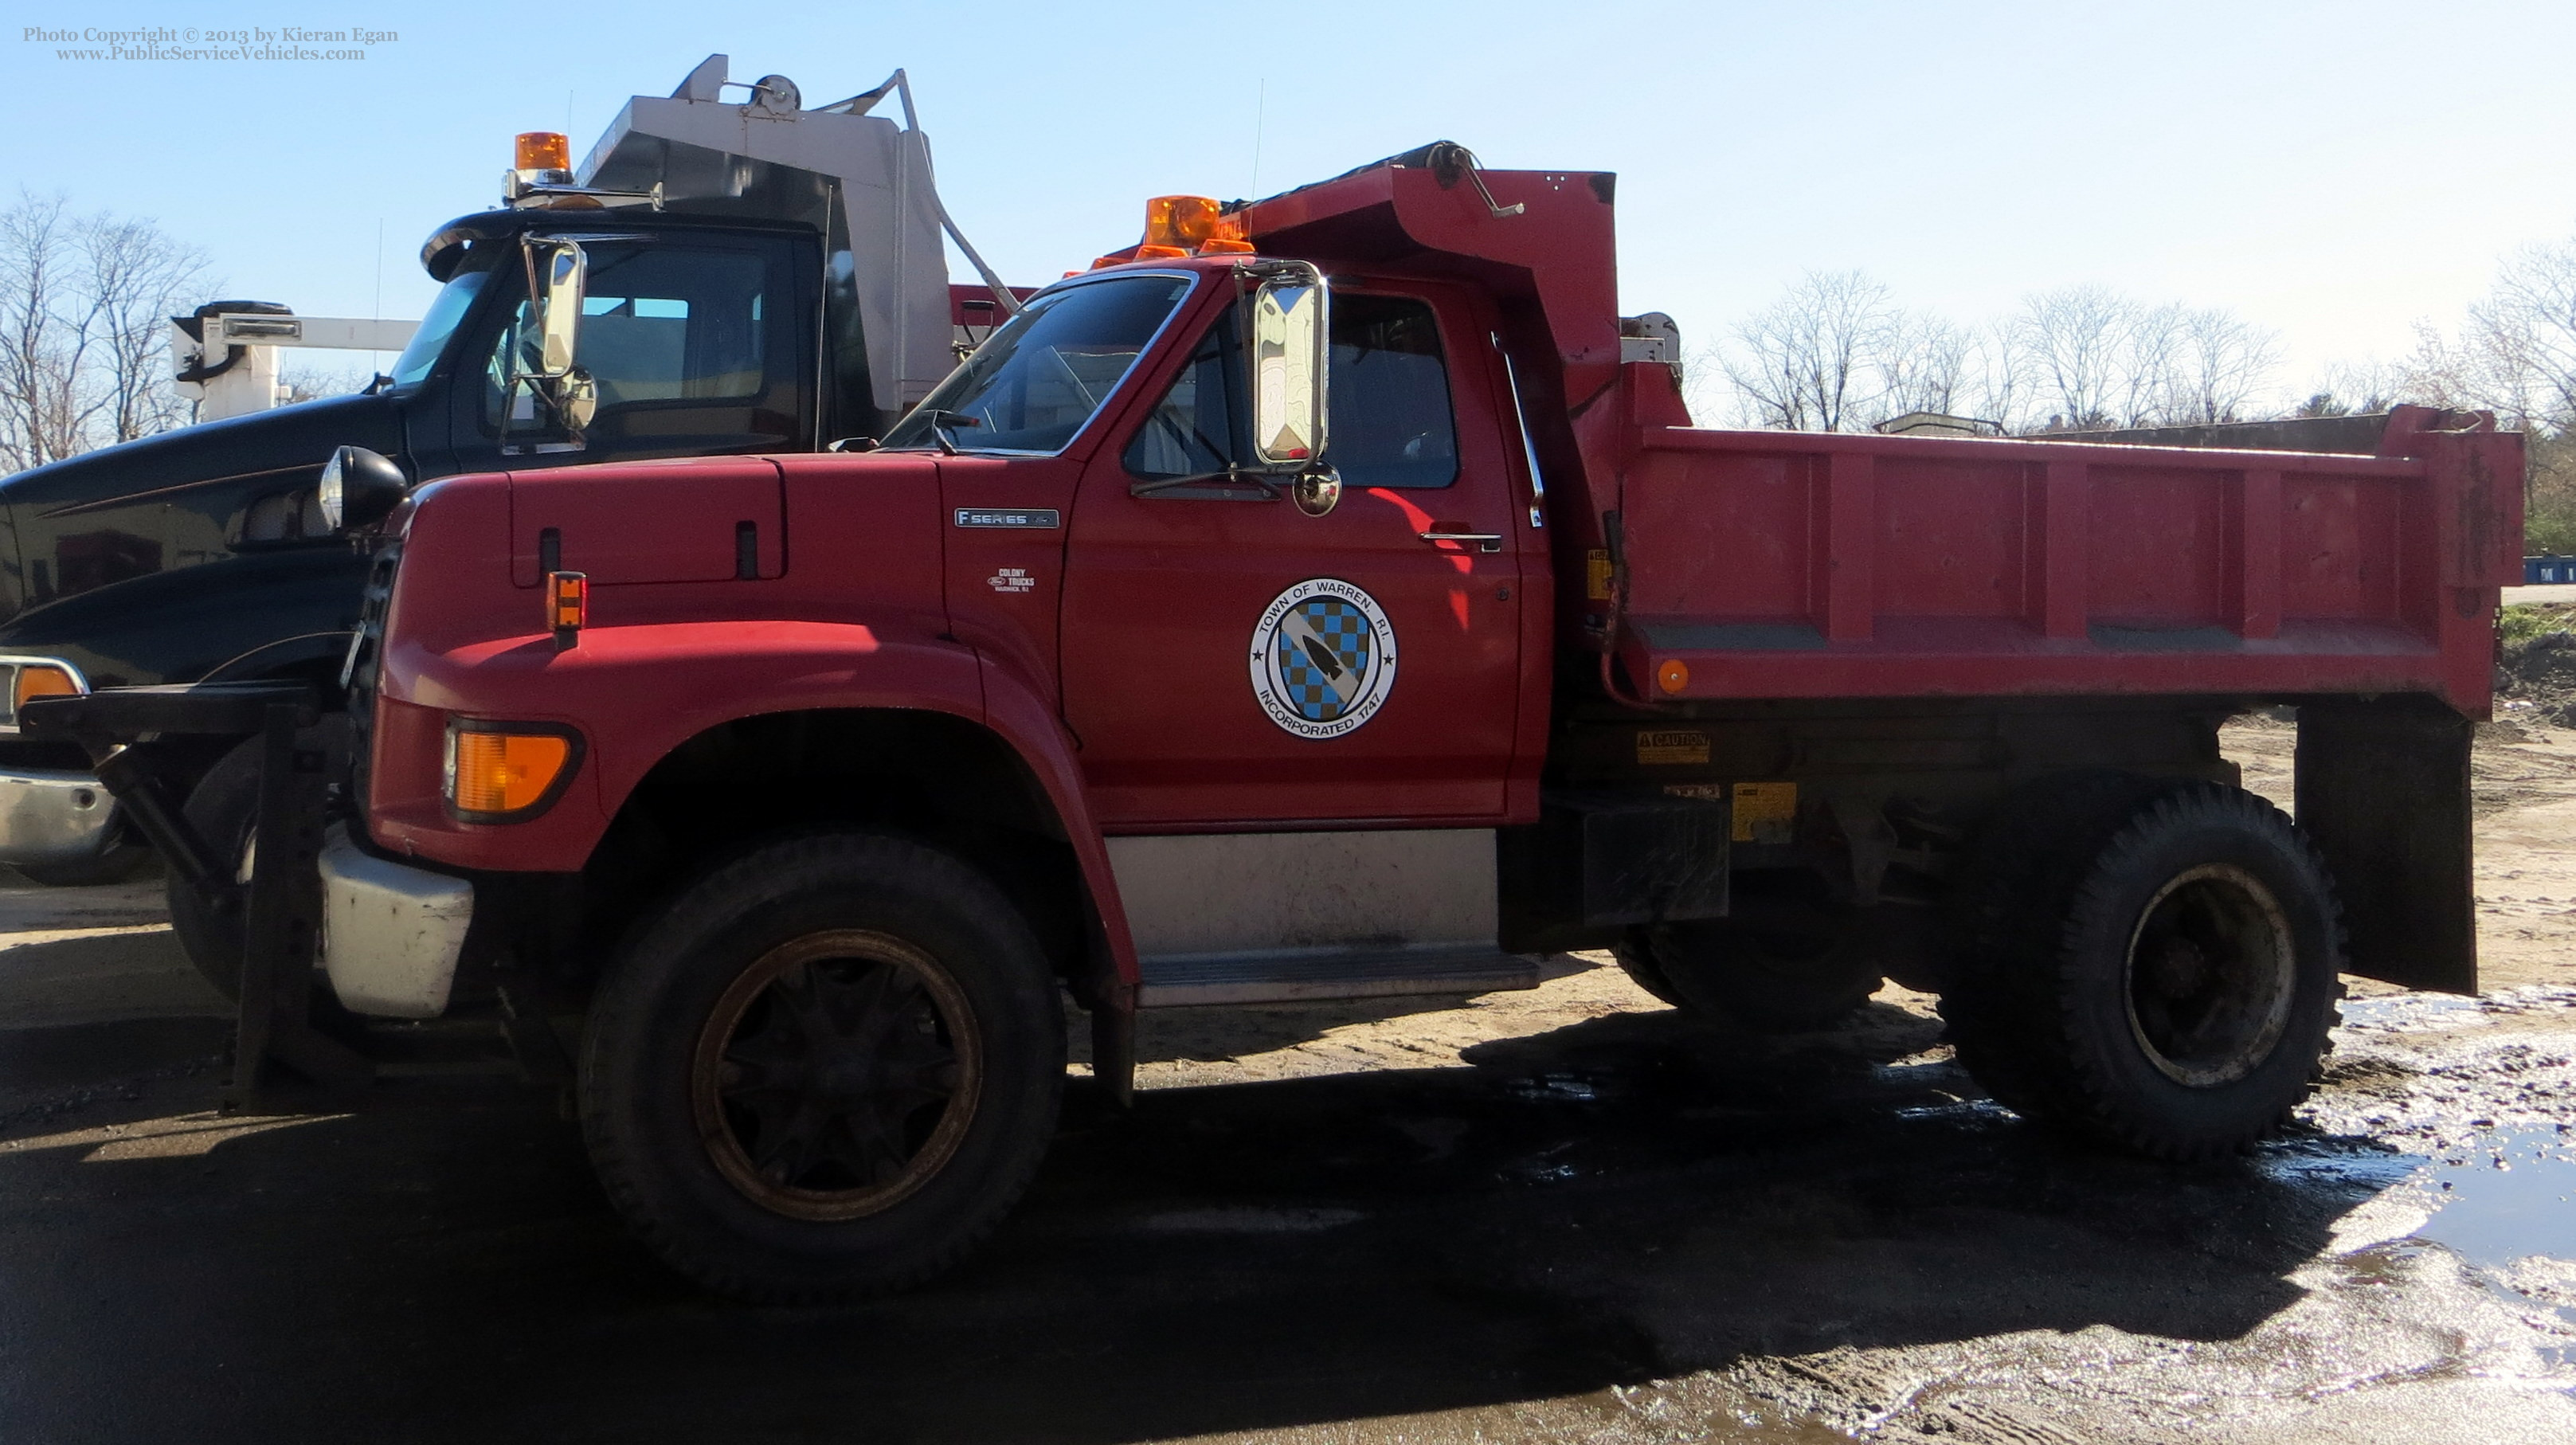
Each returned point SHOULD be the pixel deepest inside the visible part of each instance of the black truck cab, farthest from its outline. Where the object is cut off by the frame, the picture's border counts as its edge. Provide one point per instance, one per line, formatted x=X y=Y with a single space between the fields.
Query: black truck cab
x=204 y=553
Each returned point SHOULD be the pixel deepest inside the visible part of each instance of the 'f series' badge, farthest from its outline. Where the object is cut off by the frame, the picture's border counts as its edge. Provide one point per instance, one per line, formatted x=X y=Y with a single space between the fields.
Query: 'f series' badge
x=1323 y=658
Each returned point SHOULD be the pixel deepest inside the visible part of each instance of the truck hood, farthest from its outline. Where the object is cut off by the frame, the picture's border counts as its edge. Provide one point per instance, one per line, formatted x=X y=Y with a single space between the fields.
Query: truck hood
x=300 y=436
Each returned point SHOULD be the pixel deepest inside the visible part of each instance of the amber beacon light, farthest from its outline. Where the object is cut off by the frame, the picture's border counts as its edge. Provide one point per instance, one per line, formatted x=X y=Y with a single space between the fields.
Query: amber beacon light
x=542 y=150
x=503 y=772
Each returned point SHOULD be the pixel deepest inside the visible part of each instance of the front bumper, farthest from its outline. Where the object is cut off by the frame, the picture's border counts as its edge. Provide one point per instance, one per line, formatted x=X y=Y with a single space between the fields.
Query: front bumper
x=391 y=933
x=51 y=816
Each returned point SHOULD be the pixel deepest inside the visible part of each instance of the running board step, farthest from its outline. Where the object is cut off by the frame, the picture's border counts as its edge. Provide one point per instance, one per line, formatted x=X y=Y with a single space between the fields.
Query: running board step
x=1308 y=975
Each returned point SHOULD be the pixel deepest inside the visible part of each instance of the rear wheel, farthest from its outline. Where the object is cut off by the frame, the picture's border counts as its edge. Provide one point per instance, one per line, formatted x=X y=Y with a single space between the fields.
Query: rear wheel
x=1788 y=968
x=2160 y=973
x=826 y=1071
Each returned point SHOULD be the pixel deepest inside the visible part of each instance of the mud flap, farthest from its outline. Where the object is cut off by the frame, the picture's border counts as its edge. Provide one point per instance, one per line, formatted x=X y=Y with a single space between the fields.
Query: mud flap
x=2383 y=789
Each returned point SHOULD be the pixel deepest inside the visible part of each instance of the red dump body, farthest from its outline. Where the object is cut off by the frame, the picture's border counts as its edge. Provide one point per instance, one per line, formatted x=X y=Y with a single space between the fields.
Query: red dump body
x=1763 y=564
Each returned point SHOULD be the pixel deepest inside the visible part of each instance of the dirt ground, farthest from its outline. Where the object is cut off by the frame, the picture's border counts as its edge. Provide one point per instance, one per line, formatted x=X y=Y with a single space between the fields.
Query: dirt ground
x=1564 y=1215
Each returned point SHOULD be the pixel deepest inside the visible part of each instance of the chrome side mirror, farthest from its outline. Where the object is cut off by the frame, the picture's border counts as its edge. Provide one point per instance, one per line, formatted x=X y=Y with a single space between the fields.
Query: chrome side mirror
x=1290 y=336
x=558 y=273
x=358 y=487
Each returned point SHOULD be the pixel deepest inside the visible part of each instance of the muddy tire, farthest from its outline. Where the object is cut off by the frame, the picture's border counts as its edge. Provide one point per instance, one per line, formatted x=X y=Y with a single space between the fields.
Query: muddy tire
x=2152 y=964
x=826 y=1071
x=222 y=809
x=1637 y=960
x=1792 y=973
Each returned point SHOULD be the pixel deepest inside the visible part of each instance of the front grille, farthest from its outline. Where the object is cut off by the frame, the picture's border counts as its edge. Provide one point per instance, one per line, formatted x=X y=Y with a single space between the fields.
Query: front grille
x=360 y=673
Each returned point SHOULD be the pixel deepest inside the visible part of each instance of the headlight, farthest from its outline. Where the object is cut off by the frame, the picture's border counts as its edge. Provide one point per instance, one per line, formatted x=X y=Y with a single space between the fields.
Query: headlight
x=330 y=494
x=358 y=487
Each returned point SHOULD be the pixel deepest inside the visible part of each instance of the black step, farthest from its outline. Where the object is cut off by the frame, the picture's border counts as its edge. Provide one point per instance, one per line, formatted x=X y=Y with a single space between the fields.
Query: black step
x=1307 y=975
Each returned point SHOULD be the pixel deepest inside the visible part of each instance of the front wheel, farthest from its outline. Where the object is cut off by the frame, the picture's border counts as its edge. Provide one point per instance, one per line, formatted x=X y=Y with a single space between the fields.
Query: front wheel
x=123 y=859
x=223 y=810
x=827 y=1071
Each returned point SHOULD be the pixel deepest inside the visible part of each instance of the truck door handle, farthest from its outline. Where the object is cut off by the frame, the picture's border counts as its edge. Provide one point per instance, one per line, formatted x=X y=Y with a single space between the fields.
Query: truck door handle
x=1485 y=541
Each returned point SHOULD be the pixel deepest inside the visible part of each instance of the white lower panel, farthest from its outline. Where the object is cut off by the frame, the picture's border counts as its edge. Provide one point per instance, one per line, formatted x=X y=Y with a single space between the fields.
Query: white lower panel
x=1215 y=894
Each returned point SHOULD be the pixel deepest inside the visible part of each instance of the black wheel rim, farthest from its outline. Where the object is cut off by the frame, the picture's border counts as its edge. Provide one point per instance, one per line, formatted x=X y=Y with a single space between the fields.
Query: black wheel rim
x=2212 y=968
x=836 y=1075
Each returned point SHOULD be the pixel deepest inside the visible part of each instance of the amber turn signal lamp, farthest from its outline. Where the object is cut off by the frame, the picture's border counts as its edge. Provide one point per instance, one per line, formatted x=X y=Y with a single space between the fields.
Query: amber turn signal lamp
x=543 y=150
x=1673 y=676
x=40 y=681
x=567 y=606
x=501 y=772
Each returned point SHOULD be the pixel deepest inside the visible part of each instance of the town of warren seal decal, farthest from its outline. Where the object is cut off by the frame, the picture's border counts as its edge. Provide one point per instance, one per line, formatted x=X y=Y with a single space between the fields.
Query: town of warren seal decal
x=1323 y=658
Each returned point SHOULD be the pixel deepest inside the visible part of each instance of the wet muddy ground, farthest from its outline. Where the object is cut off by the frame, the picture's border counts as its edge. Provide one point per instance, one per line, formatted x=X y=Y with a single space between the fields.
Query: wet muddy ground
x=1566 y=1215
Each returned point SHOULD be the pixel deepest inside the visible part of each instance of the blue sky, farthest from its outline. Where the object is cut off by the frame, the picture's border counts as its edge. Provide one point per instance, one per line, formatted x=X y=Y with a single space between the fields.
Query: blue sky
x=2333 y=171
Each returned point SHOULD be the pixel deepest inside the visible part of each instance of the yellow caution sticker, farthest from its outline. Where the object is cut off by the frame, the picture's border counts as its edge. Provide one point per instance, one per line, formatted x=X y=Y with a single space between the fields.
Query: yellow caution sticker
x=1596 y=575
x=1672 y=746
x=1765 y=812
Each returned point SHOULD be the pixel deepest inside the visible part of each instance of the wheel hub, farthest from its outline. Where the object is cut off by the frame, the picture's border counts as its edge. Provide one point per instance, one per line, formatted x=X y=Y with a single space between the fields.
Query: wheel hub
x=836 y=1075
x=2212 y=969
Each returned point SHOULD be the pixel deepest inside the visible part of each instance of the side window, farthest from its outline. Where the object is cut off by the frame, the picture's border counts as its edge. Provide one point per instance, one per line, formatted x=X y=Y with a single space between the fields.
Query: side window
x=1194 y=431
x=1391 y=423
x=658 y=324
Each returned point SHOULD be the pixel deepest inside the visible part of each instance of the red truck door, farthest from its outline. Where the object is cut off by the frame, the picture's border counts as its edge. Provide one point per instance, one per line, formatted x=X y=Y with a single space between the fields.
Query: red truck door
x=1230 y=660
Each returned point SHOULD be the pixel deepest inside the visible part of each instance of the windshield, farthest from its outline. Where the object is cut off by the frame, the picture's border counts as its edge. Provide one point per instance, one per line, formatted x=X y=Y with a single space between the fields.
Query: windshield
x=446 y=313
x=1031 y=387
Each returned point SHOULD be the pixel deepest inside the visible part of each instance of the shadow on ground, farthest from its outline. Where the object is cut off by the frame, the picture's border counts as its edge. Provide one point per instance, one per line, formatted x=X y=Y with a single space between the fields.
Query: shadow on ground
x=1625 y=1198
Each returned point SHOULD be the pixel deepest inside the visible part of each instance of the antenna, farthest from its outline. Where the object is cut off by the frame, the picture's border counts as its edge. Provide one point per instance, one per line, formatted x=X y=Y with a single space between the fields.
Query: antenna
x=1260 y=104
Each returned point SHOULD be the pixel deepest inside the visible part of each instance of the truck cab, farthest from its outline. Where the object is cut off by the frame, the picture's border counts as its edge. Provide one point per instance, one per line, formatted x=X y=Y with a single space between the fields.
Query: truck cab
x=735 y=292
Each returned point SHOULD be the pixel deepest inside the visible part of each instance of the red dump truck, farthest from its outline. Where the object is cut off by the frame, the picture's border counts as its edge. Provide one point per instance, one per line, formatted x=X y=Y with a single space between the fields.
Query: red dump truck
x=1328 y=597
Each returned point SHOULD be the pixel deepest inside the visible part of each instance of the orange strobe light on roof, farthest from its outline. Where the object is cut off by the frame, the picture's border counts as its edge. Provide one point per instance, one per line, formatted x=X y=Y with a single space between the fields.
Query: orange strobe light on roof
x=1179 y=226
x=1194 y=223
x=543 y=150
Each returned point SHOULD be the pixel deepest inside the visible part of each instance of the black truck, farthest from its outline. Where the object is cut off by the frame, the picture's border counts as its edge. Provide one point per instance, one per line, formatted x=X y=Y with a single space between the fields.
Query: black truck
x=717 y=278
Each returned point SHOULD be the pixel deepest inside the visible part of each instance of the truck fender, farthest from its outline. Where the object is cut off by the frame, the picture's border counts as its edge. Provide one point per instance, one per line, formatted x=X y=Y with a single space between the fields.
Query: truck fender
x=1030 y=728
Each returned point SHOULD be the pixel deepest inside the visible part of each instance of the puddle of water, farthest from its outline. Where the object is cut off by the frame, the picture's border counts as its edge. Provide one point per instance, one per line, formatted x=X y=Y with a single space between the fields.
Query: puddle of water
x=1245 y=1220
x=2512 y=1197
x=2508 y=1207
x=1559 y=1088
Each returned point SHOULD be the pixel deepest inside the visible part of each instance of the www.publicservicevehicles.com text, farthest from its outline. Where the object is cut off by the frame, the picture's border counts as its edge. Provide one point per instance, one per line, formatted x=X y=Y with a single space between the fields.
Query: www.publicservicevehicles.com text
x=189 y=42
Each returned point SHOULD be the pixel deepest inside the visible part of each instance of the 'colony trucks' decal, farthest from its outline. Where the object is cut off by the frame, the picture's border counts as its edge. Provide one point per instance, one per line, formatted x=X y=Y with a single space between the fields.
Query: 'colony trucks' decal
x=1323 y=658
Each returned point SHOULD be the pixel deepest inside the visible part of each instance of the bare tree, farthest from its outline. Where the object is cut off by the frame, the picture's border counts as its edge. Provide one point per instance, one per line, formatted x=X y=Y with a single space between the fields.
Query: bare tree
x=41 y=418
x=2218 y=365
x=138 y=278
x=2073 y=345
x=1807 y=361
x=1924 y=363
x=83 y=308
x=1835 y=353
x=2517 y=352
x=2351 y=388
x=306 y=383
